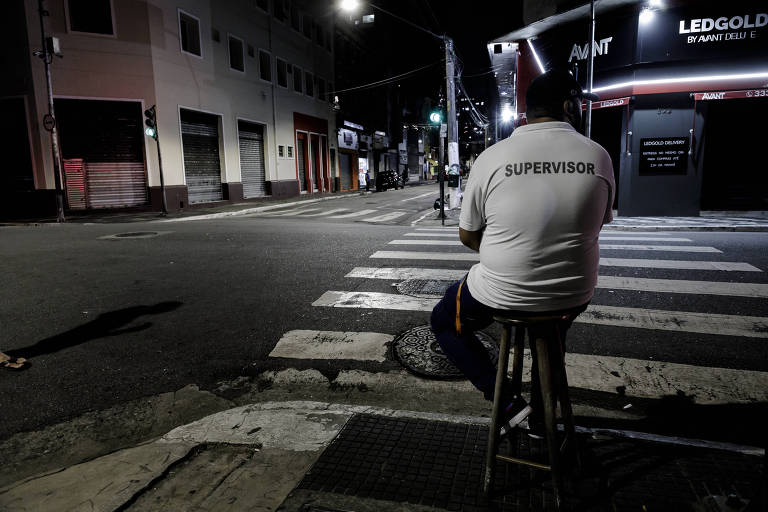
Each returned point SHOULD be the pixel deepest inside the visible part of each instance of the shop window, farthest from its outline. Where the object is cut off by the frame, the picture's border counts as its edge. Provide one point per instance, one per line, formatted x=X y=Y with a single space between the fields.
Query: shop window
x=282 y=73
x=189 y=33
x=90 y=16
x=297 y=79
x=265 y=66
x=309 y=86
x=236 y=58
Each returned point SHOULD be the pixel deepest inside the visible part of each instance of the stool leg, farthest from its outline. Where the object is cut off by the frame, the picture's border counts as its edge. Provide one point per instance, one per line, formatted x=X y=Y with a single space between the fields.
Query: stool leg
x=493 y=434
x=517 y=361
x=550 y=422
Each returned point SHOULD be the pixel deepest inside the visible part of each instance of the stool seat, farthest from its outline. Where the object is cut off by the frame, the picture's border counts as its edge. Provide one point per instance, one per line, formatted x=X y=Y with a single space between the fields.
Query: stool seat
x=547 y=348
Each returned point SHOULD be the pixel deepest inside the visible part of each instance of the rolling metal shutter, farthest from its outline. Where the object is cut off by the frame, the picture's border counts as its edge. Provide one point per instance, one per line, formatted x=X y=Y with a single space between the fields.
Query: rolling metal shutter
x=200 y=140
x=302 y=160
x=103 y=150
x=252 y=171
x=345 y=170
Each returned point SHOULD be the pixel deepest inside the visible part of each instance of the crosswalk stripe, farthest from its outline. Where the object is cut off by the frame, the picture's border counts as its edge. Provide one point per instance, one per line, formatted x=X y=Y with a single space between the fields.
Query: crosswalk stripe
x=293 y=211
x=669 y=248
x=728 y=266
x=453 y=229
x=755 y=290
x=386 y=217
x=450 y=235
x=353 y=214
x=309 y=344
x=607 y=262
x=326 y=212
x=645 y=239
x=425 y=242
x=417 y=197
x=679 y=321
x=639 y=377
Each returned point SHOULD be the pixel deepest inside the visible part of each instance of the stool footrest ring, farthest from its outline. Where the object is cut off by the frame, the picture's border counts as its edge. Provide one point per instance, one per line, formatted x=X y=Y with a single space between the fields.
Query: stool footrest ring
x=526 y=462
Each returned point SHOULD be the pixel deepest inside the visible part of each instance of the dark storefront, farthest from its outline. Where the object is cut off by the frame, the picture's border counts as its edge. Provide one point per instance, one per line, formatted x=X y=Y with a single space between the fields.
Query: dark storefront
x=683 y=93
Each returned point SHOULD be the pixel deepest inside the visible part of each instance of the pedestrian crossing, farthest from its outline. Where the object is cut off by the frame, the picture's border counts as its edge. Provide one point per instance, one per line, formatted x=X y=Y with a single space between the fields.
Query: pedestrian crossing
x=373 y=216
x=424 y=250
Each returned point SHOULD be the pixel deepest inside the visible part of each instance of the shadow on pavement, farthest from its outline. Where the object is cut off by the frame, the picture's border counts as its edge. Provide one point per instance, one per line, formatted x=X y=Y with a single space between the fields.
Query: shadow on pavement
x=106 y=324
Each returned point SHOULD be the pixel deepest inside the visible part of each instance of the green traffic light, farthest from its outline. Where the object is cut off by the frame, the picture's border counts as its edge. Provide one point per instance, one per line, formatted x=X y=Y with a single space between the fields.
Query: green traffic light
x=151 y=132
x=435 y=117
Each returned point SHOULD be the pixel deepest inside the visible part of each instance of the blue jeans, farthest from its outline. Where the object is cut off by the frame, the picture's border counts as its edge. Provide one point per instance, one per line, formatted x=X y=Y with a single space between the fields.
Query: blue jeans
x=468 y=353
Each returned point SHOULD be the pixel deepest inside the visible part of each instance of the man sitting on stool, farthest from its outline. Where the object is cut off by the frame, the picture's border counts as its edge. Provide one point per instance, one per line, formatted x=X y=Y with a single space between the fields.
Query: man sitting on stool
x=533 y=208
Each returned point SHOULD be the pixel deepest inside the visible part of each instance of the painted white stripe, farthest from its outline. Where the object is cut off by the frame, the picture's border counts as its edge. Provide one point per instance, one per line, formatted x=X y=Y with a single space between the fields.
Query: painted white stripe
x=306 y=344
x=403 y=273
x=671 y=248
x=606 y=262
x=448 y=235
x=353 y=214
x=425 y=242
x=327 y=212
x=645 y=239
x=386 y=217
x=728 y=266
x=417 y=197
x=454 y=229
x=294 y=211
x=755 y=290
x=678 y=321
x=415 y=255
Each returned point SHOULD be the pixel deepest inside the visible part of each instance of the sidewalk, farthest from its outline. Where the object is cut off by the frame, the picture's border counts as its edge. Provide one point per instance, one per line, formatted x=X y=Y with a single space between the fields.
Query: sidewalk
x=315 y=456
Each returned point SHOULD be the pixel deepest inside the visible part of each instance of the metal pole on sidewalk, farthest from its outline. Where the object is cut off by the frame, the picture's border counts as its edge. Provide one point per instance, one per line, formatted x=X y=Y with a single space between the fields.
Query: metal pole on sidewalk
x=590 y=69
x=47 y=56
x=160 y=168
x=441 y=177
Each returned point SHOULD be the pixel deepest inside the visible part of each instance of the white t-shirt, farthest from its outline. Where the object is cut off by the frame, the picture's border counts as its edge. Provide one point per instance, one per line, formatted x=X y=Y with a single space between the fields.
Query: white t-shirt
x=542 y=195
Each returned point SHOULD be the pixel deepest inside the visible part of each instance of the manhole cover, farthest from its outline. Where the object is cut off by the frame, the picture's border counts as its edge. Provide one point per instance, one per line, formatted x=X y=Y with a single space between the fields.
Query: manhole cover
x=133 y=234
x=424 y=288
x=418 y=351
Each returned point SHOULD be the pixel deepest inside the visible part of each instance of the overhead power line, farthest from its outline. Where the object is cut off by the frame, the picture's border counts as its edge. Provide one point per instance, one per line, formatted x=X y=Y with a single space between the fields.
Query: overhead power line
x=389 y=80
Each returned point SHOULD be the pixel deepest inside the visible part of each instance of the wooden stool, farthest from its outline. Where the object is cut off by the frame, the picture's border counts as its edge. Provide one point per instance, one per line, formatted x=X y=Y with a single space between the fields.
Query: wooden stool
x=554 y=387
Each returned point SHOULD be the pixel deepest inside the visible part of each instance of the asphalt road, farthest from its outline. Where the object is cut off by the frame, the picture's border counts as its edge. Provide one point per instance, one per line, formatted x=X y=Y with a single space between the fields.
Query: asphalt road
x=108 y=320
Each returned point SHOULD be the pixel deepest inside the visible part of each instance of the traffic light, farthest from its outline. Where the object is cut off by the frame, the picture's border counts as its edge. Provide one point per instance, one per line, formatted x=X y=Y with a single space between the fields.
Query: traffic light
x=435 y=116
x=151 y=122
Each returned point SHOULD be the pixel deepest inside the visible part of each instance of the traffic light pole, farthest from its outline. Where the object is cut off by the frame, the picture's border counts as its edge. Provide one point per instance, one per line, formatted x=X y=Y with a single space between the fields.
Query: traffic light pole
x=47 y=56
x=152 y=131
x=162 y=181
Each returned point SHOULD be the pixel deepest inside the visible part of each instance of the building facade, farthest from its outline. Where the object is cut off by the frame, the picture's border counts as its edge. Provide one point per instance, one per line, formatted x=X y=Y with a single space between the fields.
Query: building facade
x=240 y=89
x=683 y=89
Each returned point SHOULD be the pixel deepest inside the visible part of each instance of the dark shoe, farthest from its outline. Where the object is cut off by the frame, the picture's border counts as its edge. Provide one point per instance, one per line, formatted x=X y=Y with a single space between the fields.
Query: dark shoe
x=514 y=414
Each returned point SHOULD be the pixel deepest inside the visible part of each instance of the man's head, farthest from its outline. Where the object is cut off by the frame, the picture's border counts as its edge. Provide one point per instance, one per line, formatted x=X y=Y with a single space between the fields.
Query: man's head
x=555 y=95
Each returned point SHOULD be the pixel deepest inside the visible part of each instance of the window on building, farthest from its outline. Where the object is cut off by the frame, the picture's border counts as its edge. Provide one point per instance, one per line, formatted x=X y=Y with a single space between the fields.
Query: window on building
x=309 y=86
x=319 y=34
x=297 y=79
x=236 y=58
x=295 y=18
x=91 y=16
x=321 y=89
x=281 y=151
x=282 y=72
x=328 y=40
x=265 y=66
x=281 y=10
x=307 y=26
x=250 y=51
x=215 y=35
x=290 y=151
x=331 y=91
x=263 y=5
x=189 y=33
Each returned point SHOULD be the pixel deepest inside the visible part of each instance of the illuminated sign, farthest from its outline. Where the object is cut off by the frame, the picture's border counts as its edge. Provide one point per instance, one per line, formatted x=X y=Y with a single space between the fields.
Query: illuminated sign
x=731 y=95
x=663 y=156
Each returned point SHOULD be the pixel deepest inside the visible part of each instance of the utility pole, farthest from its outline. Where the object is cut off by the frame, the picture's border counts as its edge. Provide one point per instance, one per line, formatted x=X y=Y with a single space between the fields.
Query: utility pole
x=47 y=55
x=453 y=129
x=590 y=69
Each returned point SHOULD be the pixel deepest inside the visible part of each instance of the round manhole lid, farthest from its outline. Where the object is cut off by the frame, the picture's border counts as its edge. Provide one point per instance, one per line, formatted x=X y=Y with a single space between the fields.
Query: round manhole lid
x=424 y=288
x=418 y=351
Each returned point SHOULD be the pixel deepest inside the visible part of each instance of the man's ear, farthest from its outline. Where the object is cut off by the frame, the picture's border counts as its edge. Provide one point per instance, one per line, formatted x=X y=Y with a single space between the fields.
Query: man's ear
x=569 y=107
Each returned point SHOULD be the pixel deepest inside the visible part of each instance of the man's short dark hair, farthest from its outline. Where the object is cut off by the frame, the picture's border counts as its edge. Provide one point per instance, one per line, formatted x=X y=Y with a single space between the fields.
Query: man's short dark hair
x=548 y=91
